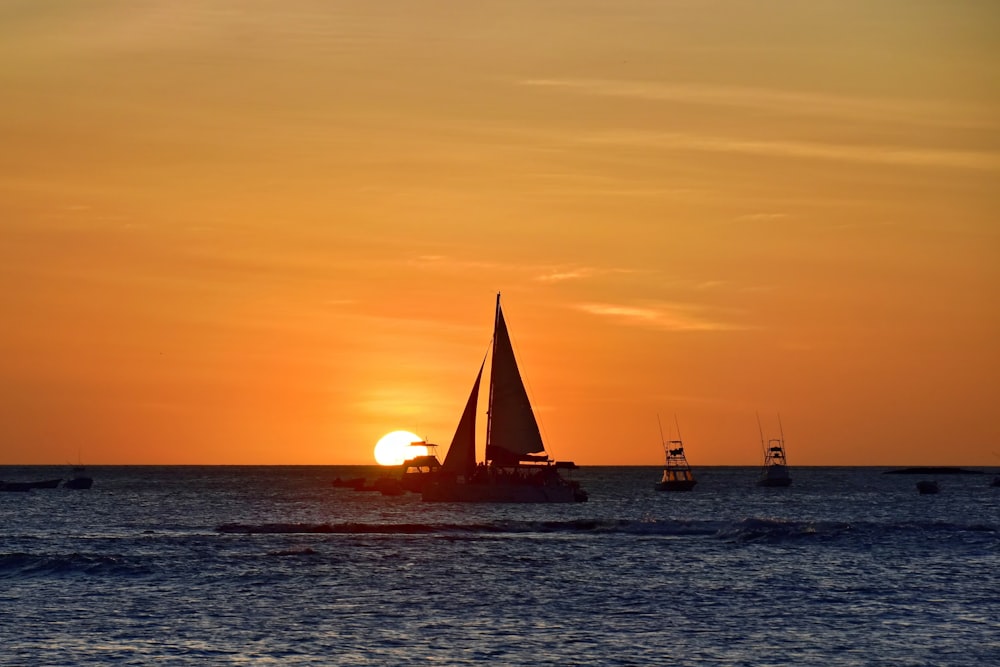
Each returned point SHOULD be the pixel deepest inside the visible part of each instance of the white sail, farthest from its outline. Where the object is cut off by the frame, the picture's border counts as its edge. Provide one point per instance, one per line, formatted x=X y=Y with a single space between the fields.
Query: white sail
x=513 y=432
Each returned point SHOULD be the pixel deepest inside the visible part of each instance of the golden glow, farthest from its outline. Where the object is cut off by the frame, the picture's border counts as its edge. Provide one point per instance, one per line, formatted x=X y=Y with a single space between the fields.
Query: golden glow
x=237 y=232
x=394 y=448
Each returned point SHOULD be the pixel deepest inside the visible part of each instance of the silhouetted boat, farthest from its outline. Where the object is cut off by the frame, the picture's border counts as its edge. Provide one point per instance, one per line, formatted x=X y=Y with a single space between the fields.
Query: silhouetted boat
x=388 y=486
x=927 y=486
x=677 y=474
x=933 y=470
x=79 y=480
x=516 y=468
x=46 y=484
x=420 y=470
x=20 y=487
x=775 y=470
x=28 y=486
x=352 y=483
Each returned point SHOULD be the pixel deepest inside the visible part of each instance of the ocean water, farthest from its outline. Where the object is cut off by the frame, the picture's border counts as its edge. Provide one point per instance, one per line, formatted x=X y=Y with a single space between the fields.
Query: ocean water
x=846 y=567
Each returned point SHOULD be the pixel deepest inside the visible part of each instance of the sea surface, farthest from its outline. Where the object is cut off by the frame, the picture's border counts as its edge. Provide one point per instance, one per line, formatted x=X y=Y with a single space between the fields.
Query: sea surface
x=846 y=567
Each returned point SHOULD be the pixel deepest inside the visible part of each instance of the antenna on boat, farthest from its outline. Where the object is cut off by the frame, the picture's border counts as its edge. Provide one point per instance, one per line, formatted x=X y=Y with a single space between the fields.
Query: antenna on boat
x=781 y=431
x=760 y=428
x=661 y=429
x=677 y=424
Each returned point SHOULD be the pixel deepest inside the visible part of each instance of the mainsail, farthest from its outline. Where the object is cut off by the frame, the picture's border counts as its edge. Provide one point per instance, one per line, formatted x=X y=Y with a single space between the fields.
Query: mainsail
x=513 y=432
x=461 y=458
x=516 y=469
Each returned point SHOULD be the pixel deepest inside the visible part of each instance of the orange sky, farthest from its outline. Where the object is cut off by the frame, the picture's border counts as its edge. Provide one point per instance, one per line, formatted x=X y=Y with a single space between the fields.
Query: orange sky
x=237 y=231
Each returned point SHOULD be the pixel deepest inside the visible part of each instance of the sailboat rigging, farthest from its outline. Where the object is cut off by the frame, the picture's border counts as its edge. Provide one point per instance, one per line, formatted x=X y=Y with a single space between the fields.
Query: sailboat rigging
x=516 y=467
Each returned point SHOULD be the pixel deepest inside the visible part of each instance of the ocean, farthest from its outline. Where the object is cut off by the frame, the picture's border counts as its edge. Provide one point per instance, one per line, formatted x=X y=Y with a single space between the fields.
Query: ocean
x=846 y=567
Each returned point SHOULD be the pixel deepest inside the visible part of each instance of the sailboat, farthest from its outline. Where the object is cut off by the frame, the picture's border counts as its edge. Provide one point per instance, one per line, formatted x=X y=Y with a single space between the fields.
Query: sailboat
x=775 y=470
x=516 y=468
x=677 y=475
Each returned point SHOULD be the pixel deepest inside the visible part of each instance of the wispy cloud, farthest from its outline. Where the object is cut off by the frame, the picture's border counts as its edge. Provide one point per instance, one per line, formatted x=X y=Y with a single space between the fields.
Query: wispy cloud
x=539 y=273
x=920 y=112
x=561 y=274
x=667 y=317
x=891 y=155
x=448 y=263
x=570 y=274
x=761 y=217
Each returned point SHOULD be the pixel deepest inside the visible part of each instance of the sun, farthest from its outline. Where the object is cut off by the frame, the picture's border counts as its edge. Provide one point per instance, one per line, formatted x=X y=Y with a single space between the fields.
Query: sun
x=396 y=447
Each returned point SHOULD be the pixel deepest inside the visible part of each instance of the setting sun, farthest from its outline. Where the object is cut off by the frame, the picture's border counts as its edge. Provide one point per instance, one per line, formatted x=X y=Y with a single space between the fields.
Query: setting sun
x=394 y=448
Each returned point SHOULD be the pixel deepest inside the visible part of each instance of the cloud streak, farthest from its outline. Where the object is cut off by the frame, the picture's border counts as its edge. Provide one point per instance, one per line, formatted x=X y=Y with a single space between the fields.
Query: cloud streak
x=917 y=112
x=887 y=155
x=665 y=317
x=561 y=276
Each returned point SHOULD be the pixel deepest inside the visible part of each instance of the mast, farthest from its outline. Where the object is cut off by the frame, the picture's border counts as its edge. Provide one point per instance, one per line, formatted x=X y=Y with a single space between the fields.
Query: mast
x=781 y=432
x=763 y=447
x=493 y=360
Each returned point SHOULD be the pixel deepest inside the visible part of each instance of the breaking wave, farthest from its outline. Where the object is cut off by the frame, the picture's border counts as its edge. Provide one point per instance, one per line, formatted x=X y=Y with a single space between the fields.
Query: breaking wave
x=744 y=530
x=31 y=565
x=491 y=527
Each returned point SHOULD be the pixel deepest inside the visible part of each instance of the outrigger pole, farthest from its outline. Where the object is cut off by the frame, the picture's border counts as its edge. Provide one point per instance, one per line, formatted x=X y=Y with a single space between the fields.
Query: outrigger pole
x=763 y=447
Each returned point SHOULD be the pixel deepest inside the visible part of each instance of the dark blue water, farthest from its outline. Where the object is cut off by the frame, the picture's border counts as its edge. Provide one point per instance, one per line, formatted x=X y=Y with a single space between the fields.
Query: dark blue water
x=847 y=567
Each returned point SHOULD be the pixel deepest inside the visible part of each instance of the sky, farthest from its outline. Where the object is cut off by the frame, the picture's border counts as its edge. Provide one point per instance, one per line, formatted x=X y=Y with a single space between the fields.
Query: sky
x=257 y=232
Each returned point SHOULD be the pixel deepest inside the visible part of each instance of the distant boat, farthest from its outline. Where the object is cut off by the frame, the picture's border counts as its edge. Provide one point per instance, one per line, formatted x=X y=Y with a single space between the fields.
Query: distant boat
x=388 y=486
x=19 y=487
x=28 y=486
x=79 y=480
x=927 y=486
x=775 y=470
x=420 y=470
x=516 y=468
x=677 y=474
x=46 y=484
x=933 y=470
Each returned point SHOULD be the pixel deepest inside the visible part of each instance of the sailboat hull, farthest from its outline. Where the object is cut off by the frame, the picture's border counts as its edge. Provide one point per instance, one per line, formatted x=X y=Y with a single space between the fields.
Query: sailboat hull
x=458 y=492
x=516 y=469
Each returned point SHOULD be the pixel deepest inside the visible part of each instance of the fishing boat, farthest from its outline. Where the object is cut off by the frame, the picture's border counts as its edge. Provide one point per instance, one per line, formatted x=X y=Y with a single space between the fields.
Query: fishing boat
x=516 y=468
x=79 y=480
x=677 y=474
x=775 y=470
